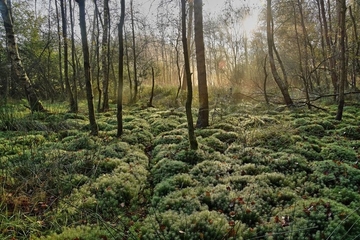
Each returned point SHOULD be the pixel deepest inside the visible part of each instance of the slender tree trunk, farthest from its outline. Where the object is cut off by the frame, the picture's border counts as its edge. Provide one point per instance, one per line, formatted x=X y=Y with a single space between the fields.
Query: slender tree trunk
x=178 y=67
x=150 y=104
x=73 y=61
x=61 y=81
x=329 y=44
x=128 y=67
x=49 y=49
x=97 y=55
x=89 y=94
x=189 y=37
x=192 y=138
x=19 y=70
x=121 y=70
x=203 y=115
x=356 y=51
x=342 y=47
x=105 y=52
x=270 y=39
x=265 y=81
x=136 y=81
x=73 y=107
x=303 y=72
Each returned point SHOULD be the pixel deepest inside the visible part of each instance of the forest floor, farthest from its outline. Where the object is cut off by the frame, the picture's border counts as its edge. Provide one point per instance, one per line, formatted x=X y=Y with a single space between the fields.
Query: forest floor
x=259 y=173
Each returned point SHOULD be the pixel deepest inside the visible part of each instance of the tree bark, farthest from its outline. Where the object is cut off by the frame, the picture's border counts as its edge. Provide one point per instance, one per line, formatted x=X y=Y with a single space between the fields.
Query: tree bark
x=341 y=5
x=136 y=81
x=19 y=70
x=89 y=94
x=203 y=115
x=73 y=107
x=105 y=55
x=150 y=104
x=61 y=82
x=270 y=40
x=73 y=61
x=121 y=70
x=192 y=138
x=329 y=44
x=189 y=33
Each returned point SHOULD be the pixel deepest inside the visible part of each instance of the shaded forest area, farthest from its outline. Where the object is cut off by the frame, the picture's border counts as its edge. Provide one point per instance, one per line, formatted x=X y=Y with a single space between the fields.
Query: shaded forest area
x=179 y=121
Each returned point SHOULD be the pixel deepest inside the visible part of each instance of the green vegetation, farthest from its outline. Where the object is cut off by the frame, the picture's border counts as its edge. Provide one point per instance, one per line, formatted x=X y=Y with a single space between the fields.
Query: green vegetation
x=257 y=174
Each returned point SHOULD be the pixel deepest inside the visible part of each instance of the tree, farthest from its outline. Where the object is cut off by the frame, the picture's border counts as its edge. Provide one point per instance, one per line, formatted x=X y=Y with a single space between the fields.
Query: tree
x=105 y=55
x=192 y=138
x=89 y=95
x=270 y=39
x=136 y=81
x=59 y=49
x=73 y=62
x=121 y=70
x=203 y=115
x=19 y=70
x=341 y=5
x=189 y=36
x=73 y=103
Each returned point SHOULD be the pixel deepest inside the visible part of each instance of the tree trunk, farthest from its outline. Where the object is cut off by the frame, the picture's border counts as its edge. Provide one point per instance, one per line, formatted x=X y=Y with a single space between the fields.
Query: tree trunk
x=265 y=81
x=97 y=20
x=329 y=44
x=192 y=138
x=356 y=51
x=73 y=61
x=20 y=73
x=136 y=81
x=342 y=59
x=150 y=104
x=189 y=33
x=203 y=115
x=121 y=70
x=73 y=107
x=126 y=52
x=303 y=69
x=89 y=95
x=270 y=39
x=105 y=54
x=61 y=82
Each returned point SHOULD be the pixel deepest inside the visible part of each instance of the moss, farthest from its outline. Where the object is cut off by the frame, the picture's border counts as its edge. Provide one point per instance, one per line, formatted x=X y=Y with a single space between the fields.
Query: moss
x=226 y=137
x=225 y=126
x=199 y=225
x=351 y=132
x=252 y=169
x=312 y=129
x=335 y=173
x=209 y=171
x=166 y=168
x=116 y=150
x=163 y=125
x=79 y=142
x=80 y=232
x=311 y=152
x=168 y=139
x=274 y=138
x=214 y=143
x=205 y=132
x=190 y=156
x=339 y=153
x=183 y=200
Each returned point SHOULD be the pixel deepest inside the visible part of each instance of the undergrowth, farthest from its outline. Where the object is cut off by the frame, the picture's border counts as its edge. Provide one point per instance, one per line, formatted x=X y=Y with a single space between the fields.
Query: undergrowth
x=258 y=174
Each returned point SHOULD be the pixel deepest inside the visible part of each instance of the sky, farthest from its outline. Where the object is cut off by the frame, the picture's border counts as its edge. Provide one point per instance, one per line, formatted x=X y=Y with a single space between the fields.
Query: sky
x=149 y=8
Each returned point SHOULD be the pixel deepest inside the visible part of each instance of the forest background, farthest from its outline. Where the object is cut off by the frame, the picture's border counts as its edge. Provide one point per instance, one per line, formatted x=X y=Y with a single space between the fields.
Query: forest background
x=272 y=153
